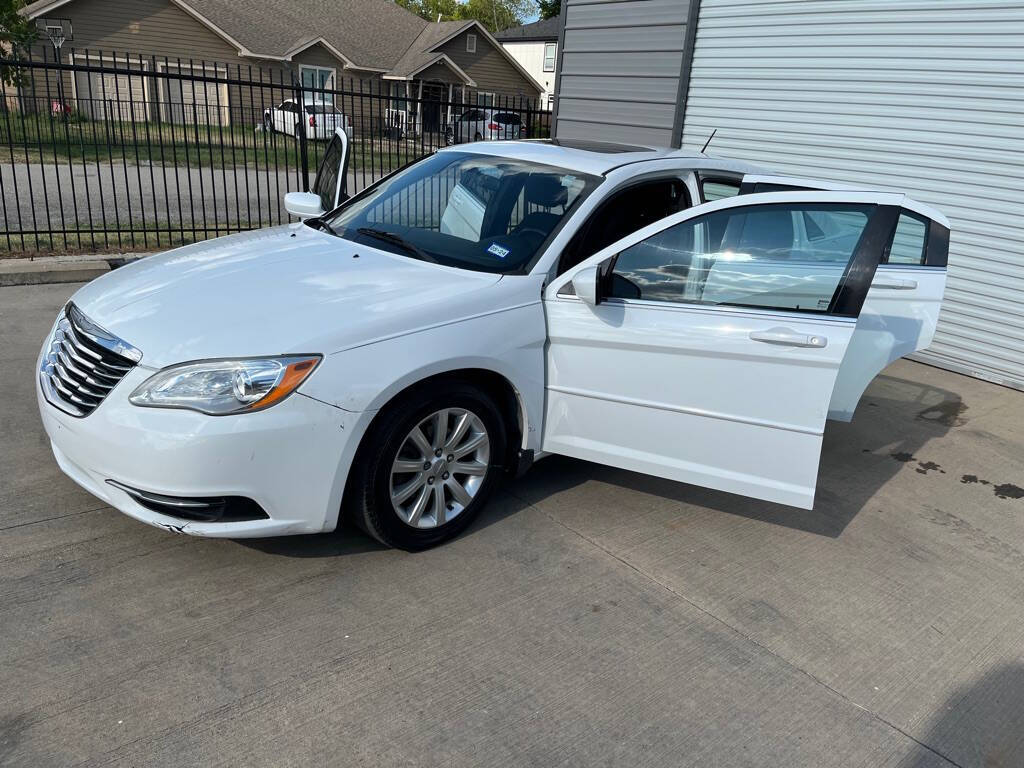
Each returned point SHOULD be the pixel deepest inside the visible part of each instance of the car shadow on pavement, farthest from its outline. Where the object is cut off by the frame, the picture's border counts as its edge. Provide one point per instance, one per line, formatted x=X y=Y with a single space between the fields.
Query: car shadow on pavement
x=981 y=724
x=348 y=539
x=858 y=458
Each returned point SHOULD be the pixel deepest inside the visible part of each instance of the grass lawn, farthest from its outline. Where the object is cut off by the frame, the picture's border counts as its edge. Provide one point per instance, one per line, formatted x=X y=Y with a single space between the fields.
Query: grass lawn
x=39 y=138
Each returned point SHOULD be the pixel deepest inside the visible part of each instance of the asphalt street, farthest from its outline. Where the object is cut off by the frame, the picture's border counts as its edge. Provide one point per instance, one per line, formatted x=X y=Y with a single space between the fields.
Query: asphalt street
x=126 y=197
x=591 y=617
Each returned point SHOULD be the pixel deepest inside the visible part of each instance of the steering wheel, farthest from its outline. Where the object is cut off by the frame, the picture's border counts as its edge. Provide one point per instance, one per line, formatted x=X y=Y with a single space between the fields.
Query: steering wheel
x=521 y=230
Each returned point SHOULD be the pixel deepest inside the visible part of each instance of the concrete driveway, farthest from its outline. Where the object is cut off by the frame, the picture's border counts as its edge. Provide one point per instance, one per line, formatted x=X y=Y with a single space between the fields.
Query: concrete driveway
x=591 y=617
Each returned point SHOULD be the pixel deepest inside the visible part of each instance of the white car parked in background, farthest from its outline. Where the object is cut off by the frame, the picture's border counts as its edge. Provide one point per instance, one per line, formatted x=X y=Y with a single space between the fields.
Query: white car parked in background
x=390 y=359
x=484 y=124
x=319 y=119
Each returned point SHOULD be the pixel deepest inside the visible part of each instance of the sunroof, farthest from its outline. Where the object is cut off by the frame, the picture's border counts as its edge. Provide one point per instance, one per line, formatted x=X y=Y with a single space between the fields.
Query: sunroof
x=601 y=147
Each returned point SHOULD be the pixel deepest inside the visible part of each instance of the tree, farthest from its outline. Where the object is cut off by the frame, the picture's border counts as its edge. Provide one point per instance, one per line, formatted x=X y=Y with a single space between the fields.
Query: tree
x=430 y=9
x=497 y=14
x=16 y=33
x=549 y=9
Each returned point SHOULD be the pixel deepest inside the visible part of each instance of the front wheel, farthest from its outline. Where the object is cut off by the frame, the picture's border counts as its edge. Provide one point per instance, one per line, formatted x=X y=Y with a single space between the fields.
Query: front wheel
x=428 y=467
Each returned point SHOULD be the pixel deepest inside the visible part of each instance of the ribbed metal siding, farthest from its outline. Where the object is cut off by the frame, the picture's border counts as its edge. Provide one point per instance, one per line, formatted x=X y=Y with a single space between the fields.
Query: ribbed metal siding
x=619 y=70
x=923 y=97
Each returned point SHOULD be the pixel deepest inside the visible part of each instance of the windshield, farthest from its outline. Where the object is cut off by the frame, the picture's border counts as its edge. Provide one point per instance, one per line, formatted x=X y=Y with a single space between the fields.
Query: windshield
x=480 y=212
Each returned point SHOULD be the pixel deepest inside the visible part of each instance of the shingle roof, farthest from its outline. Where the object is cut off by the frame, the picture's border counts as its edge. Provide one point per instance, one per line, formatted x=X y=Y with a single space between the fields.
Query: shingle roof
x=545 y=29
x=370 y=34
x=420 y=54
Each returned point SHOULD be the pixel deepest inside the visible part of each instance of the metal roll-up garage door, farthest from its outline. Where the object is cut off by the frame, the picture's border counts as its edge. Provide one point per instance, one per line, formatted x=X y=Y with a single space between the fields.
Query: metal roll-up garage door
x=923 y=96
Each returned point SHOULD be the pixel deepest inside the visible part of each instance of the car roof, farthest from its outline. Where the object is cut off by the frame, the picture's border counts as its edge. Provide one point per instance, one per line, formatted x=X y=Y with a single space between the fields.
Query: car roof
x=597 y=158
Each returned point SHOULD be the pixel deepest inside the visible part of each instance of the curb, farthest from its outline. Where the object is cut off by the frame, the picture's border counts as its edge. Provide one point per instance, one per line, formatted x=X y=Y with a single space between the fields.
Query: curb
x=59 y=269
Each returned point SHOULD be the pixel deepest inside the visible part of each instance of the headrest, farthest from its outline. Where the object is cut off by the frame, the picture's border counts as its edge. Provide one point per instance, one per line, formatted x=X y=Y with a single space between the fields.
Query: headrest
x=545 y=190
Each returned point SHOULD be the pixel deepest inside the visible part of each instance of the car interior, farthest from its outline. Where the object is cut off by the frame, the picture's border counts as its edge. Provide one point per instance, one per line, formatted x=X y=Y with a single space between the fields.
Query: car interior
x=624 y=212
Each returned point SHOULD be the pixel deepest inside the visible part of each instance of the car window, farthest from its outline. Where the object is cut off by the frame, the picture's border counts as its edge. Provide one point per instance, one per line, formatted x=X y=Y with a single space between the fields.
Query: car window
x=469 y=210
x=622 y=213
x=505 y=118
x=752 y=256
x=326 y=185
x=718 y=189
x=909 y=240
x=286 y=106
x=322 y=109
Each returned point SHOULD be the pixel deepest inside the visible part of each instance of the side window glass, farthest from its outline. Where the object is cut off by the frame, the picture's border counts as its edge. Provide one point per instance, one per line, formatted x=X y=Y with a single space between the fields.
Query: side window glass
x=751 y=256
x=717 y=189
x=908 y=243
x=326 y=185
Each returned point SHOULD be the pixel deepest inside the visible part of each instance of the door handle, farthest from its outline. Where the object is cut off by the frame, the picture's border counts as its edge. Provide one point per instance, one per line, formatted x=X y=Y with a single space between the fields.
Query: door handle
x=895 y=285
x=788 y=338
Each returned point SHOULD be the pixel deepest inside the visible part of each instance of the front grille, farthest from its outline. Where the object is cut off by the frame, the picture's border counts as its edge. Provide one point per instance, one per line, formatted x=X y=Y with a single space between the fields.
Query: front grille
x=83 y=363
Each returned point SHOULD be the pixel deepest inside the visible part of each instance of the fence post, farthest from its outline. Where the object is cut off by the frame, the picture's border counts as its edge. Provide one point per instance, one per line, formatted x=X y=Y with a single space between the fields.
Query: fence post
x=303 y=149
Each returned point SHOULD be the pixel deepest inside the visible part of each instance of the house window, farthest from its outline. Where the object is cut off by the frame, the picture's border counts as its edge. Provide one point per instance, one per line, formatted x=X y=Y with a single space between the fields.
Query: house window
x=484 y=99
x=320 y=78
x=549 y=56
x=470 y=43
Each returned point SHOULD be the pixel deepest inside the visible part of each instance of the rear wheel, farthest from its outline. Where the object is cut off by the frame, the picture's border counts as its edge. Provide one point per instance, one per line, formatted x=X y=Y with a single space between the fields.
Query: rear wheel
x=428 y=466
x=477 y=137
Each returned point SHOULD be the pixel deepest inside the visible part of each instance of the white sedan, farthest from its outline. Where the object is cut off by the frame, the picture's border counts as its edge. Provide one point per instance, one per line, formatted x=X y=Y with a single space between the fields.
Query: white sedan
x=388 y=360
x=320 y=120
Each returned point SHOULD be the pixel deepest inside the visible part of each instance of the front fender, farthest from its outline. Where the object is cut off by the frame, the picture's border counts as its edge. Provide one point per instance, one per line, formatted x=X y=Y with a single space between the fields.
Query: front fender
x=509 y=343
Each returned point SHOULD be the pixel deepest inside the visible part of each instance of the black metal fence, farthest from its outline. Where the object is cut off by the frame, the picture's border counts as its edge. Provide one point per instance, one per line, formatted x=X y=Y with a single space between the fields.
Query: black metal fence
x=103 y=151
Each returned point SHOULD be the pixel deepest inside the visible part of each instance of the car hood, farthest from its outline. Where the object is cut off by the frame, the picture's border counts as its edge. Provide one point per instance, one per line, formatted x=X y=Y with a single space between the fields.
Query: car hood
x=275 y=291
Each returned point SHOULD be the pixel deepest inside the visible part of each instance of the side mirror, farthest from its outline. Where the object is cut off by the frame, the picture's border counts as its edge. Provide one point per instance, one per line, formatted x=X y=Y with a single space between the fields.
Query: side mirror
x=305 y=205
x=584 y=283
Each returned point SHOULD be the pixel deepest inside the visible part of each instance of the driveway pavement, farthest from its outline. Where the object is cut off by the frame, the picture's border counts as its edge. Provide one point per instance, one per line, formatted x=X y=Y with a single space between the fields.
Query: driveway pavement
x=591 y=617
x=130 y=197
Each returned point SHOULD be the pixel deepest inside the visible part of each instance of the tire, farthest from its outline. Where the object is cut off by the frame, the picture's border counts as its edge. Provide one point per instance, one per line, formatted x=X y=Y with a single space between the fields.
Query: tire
x=298 y=132
x=477 y=137
x=375 y=475
x=268 y=123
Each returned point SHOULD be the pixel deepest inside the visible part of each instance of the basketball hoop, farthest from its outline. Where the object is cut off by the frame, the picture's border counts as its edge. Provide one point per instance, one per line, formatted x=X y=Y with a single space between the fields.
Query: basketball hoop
x=57 y=31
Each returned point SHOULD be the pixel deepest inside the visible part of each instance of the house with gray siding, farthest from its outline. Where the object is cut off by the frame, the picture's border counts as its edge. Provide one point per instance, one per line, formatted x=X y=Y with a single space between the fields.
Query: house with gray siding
x=374 y=46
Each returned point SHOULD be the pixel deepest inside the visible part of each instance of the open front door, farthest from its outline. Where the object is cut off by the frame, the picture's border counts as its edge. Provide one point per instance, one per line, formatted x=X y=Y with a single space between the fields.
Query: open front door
x=902 y=307
x=330 y=188
x=705 y=347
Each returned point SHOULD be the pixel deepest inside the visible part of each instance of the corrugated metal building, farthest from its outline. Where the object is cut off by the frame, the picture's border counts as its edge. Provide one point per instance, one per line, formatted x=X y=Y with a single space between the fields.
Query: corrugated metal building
x=924 y=96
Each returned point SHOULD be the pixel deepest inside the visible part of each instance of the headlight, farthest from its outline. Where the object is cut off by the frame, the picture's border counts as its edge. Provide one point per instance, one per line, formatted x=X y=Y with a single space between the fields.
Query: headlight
x=220 y=387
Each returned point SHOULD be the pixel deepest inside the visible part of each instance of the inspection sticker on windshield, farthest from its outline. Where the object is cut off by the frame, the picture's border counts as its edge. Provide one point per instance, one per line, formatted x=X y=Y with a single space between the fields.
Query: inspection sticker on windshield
x=498 y=251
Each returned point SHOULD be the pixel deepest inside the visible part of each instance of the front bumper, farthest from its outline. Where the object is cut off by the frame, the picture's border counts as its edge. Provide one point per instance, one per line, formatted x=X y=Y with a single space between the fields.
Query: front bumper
x=291 y=459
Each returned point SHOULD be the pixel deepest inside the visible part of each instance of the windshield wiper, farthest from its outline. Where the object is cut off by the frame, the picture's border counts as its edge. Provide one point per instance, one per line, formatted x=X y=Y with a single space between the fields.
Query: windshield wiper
x=319 y=223
x=396 y=239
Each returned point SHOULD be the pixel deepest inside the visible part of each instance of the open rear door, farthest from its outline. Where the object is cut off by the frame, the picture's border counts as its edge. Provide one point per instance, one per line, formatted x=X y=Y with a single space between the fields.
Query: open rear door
x=705 y=347
x=902 y=307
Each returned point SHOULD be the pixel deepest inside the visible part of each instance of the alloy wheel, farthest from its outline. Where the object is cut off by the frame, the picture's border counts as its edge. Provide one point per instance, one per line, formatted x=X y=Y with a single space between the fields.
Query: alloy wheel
x=439 y=468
